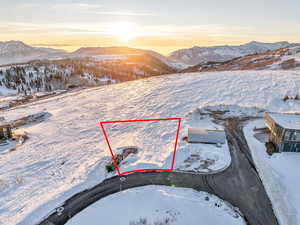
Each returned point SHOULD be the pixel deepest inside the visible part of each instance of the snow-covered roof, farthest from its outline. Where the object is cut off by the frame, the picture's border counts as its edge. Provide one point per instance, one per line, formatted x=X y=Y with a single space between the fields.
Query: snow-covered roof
x=3 y=124
x=206 y=136
x=287 y=120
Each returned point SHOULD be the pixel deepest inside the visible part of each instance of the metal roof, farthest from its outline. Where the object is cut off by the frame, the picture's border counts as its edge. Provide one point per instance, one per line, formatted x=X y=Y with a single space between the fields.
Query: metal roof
x=286 y=120
x=206 y=136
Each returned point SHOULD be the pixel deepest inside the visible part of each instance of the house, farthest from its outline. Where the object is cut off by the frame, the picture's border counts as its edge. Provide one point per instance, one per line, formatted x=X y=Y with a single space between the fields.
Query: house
x=5 y=131
x=284 y=131
x=206 y=136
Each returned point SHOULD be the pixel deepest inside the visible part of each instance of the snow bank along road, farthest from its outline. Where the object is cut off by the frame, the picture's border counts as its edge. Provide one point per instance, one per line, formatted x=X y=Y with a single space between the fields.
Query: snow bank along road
x=239 y=184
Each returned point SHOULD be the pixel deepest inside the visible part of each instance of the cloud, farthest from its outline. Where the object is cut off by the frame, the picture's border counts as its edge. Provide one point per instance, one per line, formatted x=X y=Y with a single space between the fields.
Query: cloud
x=76 y=6
x=17 y=27
x=125 y=13
x=103 y=29
x=190 y=30
x=96 y=9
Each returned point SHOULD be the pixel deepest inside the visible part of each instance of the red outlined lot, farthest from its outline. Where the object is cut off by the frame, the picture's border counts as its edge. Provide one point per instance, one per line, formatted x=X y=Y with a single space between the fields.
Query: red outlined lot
x=131 y=121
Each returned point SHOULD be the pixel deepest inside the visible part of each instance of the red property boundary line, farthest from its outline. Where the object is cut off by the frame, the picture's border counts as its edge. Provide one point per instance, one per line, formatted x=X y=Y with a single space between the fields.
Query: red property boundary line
x=132 y=121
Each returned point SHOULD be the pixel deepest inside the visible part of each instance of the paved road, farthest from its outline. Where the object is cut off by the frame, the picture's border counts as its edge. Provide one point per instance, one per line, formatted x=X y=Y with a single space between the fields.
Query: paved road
x=239 y=184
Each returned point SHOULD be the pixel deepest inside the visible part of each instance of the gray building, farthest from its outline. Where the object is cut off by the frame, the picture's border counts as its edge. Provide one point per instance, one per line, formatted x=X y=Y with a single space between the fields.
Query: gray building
x=284 y=131
x=206 y=136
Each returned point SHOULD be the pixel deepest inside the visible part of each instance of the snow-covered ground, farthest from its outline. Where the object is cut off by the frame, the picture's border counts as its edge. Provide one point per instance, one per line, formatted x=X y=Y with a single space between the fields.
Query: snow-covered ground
x=5 y=91
x=197 y=157
x=280 y=176
x=6 y=146
x=157 y=204
x=67 y=152
x=152 y=154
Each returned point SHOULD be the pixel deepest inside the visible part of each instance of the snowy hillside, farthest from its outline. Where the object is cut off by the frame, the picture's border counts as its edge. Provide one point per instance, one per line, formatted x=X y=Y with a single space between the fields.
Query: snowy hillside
x=196 y=55
x=17 y=51
x=49 y=75
x=31 y=78
x=280 y=59
x=289 y=59
x=67 y=153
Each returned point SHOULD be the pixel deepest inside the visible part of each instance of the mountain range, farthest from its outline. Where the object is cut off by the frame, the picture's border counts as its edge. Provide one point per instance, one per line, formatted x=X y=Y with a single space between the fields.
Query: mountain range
x=17 y=51
x=196 y=55
x=279 y=59
x=26 y=69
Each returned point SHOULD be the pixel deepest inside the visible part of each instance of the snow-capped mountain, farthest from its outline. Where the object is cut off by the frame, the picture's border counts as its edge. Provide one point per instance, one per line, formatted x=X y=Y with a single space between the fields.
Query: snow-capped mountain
x=279 y=59
x=17 y=51
x=123 y=51
x=196 y=55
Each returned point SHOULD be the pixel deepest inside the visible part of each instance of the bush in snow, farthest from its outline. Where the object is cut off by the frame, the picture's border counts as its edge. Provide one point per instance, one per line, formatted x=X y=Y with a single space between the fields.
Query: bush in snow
x=143 y=221
x=110 y=167
x=297 y=97
x=166 y=221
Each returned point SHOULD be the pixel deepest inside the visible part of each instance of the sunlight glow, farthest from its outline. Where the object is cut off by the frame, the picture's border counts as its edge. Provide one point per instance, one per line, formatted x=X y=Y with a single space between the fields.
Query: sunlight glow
x=125 y=31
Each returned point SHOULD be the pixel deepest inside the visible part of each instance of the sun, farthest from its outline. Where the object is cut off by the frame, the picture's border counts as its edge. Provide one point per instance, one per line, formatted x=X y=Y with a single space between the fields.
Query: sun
x=125 y=31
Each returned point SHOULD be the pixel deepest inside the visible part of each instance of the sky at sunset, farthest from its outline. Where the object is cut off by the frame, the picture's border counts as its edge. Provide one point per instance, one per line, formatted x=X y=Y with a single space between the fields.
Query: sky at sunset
x=161 y=25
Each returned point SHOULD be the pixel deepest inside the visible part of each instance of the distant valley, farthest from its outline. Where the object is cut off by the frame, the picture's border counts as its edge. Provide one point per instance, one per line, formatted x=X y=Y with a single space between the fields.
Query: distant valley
x=26 y=70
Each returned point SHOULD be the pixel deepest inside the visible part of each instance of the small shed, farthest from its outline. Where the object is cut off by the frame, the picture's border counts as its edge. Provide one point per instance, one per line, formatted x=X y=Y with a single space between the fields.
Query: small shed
x=196 y=135
x=5 y=130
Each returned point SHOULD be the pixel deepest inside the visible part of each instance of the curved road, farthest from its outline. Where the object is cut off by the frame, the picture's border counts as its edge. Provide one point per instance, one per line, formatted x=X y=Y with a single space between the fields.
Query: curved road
x=239 y=184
